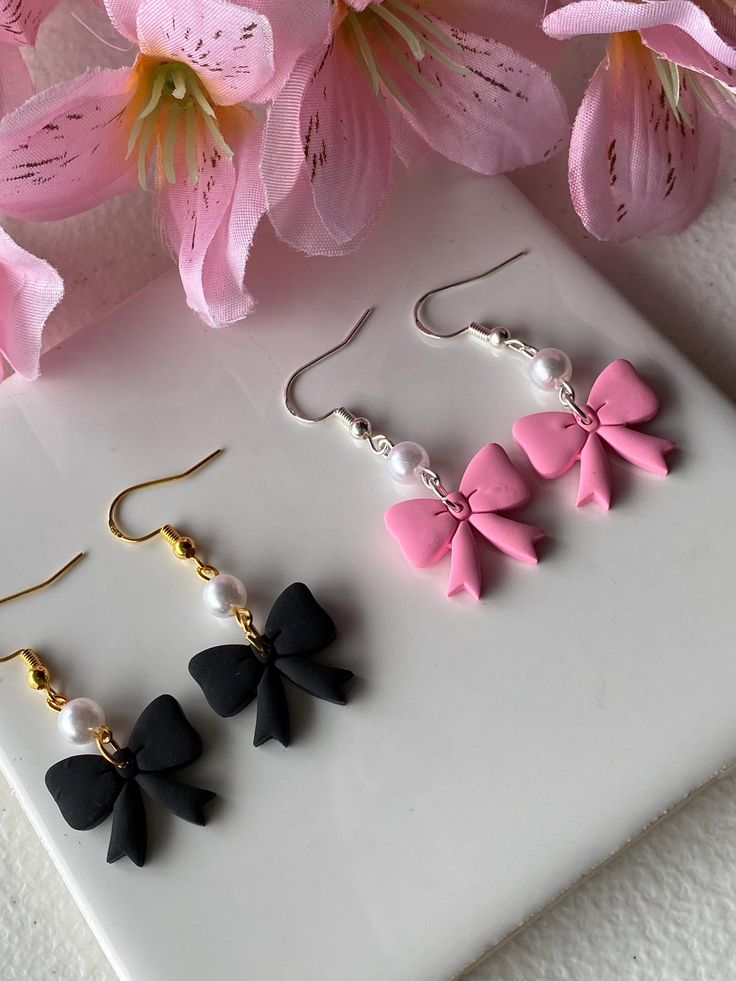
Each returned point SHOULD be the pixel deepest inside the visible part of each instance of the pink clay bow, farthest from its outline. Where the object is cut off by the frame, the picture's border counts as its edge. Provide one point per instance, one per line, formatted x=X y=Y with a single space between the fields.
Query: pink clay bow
x=554 y=441
x=427 y=529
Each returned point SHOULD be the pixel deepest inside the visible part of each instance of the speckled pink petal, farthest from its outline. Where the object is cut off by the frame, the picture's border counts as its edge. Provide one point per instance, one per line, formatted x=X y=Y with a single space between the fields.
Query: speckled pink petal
x=674 y=45
x=595 y=475
x=191 y=216
x=464 y=563
x=296 y=27
x=618 y=16
x=492 y=483
x=504 y=113
x=229 y=46
x=20 y=19
x=423 y=528
x=641 y=449
x=634 y=168
x=516 y=23
x=289 y=195
x=63 y=152
x=29 y=290
x=346 y=145
x=223 y=273
x=514 y=538
x=620 y=396
x=553 y=441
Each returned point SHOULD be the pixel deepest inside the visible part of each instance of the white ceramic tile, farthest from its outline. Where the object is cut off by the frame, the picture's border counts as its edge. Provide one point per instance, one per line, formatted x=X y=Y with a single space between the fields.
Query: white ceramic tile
x=490 y=752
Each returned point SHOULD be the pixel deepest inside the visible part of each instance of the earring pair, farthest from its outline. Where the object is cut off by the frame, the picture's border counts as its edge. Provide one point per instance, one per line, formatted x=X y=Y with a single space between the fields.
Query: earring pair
x=426 y=530
x=90 y=788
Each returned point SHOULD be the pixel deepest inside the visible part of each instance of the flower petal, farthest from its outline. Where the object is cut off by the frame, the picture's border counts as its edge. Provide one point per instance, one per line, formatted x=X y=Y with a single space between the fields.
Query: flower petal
x=216 y=288
x=723 y=102
x=516 y=23
x=346 y=143
x=327 y=159
x=504 y=113
x=123 y=14
x=20 y=19
x=634 y=167
x=616 y=16
x=29 y=290
x=15 y=82
x=63 y=152
x=229 y=47
x=192 y=217
x=296 y=27
x=677 y=46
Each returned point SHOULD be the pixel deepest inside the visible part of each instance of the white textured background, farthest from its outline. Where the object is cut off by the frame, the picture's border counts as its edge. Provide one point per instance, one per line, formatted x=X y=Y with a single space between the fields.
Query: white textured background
x=665 y=911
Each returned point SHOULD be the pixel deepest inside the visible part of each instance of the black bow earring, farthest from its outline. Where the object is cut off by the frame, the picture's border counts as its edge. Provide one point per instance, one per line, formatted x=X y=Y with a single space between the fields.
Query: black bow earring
x=90 y=788
x=233 y=675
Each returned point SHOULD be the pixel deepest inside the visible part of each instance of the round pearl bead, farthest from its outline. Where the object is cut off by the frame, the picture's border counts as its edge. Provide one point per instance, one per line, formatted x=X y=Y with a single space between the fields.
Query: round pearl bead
x=549 y=367
x=404 y=460
x=222 y=593
x=78 y=720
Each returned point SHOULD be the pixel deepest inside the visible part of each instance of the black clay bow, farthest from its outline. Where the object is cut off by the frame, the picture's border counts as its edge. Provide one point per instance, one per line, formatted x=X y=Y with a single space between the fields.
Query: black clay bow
x=89 y=788
x=232 y=675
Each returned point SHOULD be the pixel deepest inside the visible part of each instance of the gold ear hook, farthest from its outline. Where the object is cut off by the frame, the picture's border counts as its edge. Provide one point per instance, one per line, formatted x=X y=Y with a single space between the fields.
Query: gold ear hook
x=292 y=405
x=422 y=327
x=39 y=676
x=112 y=513
x=43 y=585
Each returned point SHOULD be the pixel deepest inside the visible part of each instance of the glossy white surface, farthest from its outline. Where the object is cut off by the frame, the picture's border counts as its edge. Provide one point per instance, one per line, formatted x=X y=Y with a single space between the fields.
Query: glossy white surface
x=475 y=771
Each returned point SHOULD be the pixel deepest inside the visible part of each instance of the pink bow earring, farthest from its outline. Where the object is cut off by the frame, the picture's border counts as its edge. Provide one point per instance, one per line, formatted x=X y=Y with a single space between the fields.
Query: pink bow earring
x=426 y=529
x=555 y=441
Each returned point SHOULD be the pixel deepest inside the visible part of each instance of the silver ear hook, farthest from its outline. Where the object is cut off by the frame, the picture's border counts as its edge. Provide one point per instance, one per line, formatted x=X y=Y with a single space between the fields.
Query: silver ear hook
x=361 y=429
x=494 y=335
x=290 y=403
x=543 y=364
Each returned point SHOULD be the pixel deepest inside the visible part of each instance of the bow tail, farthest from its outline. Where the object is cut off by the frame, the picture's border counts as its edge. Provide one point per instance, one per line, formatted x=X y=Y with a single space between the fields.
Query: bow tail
x=464 y=563
x=321 y=680
x=515 y=538
x=641 y=449
x=129 y=835
x=595 y=474
x=181 y=799
x=272 y=717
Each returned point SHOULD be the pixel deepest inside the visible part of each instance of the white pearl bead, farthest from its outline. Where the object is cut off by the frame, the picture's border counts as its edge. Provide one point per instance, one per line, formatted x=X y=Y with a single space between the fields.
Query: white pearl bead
x=549 y=367
x=222 y=593
x=78 y=720
x=404 y=460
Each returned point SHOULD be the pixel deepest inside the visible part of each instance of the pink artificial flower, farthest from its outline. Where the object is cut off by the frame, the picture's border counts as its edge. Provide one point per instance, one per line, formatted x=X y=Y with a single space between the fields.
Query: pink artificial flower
x=646 y=140
x=20 y=19
x=19 y=23
x=402 y=76
x=29 y=287
x=181 y=105
x=29 y=290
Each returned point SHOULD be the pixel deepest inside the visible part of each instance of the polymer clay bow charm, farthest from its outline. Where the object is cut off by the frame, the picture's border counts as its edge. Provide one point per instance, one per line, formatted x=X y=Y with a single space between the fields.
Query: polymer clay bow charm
x=89 y=788
x=427 y=529
x=232 y=675
x=619 y=399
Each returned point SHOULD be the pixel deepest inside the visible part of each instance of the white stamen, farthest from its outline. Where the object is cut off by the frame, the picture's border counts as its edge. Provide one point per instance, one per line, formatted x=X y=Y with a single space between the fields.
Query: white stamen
x=174 y=97
x=415 y=45
x=191 y=147
x=172 y=126
x=428 y=24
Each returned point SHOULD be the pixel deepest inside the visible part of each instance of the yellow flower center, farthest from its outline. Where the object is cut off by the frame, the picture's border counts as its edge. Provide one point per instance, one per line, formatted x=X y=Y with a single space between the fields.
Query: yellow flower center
x=169 y=106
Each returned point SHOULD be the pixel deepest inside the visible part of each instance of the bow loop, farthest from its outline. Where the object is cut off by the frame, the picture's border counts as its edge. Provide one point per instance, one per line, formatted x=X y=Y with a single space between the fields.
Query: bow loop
x=621 y=397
